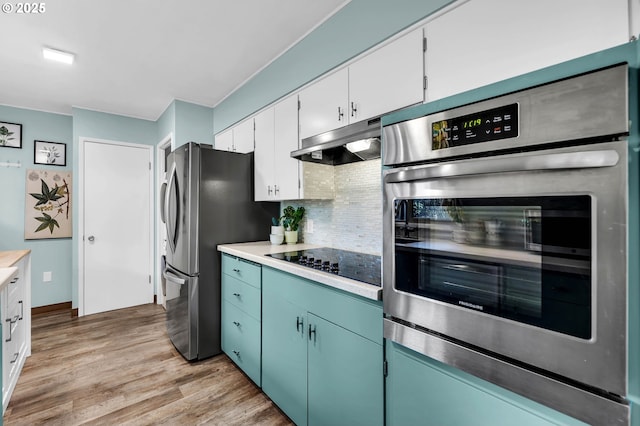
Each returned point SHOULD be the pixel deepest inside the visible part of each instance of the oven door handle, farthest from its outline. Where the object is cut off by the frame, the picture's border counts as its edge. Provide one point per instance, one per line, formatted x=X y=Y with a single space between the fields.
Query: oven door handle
x=558 y=161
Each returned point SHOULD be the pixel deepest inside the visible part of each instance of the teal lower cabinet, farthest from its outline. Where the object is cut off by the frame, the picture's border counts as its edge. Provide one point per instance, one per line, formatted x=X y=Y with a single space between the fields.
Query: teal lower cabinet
x=322 y=354
x=422 y=391
x=241 y=286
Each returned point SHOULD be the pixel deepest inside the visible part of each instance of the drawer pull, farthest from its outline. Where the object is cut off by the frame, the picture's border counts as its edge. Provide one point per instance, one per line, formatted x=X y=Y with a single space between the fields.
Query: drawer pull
x=15 y=280
x=10 y=321
x=236 y=270
x=237 y=354
x=15 y=358
x=236 y=294
x=299 y=323
x=21 y=309
x=237 y=324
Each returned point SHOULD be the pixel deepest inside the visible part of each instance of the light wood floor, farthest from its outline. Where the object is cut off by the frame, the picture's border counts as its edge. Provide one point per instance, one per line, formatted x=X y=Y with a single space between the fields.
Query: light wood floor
x=119 y=367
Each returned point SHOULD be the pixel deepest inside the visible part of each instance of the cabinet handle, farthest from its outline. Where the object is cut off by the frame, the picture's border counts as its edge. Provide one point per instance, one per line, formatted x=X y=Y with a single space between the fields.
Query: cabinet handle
x=10 y=321
x=354 y=109
x=237 y=323
x=236 y=294
x=312 y=331
x=340 y=114
x=15 y=357
x=236 y=270
x=15 y=280
x=237 y=353
x=21 y=309
x=276 y=190
x=299 y=323
x=269 y=191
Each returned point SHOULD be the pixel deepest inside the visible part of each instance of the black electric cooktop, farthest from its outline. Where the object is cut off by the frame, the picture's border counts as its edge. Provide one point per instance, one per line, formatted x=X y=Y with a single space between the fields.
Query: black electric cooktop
x=348 y=264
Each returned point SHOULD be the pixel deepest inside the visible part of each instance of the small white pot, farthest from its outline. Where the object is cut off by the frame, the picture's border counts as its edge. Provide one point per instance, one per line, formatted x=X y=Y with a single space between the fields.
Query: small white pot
x=291 y=237
x=277 y=230
x=276 y=239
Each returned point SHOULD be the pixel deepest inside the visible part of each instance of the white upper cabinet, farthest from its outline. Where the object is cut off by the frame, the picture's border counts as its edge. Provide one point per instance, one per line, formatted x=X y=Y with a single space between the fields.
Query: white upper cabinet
x=264 y=156
x=385 y=80
x=239 y=138
x=286 y=176
x=390 y=78
x=323 y=105
x=243 y=136
x=276 y=135
x=224 y=140
x=485 y=41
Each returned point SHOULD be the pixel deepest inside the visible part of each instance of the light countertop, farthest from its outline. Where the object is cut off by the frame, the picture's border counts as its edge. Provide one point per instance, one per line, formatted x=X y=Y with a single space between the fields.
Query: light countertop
x=256 y=251
x=11 y=257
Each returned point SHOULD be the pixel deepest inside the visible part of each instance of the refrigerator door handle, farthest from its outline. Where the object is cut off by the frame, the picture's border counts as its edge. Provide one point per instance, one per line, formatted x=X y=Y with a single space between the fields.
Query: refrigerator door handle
x=172 y=222
x=173 y=278
x=163 y=195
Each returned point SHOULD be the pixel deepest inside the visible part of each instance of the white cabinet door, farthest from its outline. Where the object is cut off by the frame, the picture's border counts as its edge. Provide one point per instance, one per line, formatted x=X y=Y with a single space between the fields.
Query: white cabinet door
x=485 y=41
x=243 y=136
x=286 y=140
x=15 y=303
x=264 y=156
x=323 y=105
x=388 y=79
x=224 y=140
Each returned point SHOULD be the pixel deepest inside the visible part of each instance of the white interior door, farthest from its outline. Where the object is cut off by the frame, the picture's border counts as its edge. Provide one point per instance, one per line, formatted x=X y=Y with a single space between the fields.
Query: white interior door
x=117 y=212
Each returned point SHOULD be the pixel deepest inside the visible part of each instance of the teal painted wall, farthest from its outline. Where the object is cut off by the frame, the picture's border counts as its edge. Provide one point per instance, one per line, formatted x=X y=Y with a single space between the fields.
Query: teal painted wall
x=357 y=27
x=50 y=254
x=193 y=123
x=167 y=123
x=92 y=124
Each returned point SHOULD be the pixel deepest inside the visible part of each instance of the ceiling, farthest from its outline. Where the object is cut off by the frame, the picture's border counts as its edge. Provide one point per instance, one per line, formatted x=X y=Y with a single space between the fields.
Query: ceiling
x=133 y=57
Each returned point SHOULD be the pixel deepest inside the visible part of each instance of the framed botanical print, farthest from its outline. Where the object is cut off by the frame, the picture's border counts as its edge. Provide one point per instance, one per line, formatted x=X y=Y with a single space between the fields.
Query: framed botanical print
x=48 y=204
x=50 y=153
x=10 y=135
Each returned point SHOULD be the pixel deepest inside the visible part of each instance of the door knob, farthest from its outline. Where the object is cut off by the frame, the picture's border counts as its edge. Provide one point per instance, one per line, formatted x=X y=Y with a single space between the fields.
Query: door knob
x=91 y=238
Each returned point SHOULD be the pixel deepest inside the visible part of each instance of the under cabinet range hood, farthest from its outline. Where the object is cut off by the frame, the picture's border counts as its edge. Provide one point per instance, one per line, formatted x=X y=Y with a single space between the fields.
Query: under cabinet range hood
x=355 y=142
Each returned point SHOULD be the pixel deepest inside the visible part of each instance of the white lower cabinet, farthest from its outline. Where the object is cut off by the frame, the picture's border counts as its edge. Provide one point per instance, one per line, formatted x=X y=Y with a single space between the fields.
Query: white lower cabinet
x=15 y=307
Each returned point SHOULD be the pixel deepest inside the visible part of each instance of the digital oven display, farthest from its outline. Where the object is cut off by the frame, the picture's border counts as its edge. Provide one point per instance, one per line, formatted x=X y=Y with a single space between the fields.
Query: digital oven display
x=484 y=126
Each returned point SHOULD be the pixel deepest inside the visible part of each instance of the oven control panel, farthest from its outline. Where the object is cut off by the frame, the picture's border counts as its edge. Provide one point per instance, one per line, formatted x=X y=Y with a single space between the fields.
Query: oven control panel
x=483 y=126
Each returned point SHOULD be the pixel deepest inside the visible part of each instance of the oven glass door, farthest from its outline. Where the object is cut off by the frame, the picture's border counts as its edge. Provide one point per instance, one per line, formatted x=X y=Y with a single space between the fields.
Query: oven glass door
x=527 y=259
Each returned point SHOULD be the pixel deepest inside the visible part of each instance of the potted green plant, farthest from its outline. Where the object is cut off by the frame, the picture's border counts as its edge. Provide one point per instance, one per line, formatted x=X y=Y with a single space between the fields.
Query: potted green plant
x=291 y=218
x=276 y=227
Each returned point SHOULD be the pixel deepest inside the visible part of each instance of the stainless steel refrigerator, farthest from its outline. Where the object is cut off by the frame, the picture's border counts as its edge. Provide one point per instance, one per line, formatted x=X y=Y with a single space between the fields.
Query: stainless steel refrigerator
x=208 y=200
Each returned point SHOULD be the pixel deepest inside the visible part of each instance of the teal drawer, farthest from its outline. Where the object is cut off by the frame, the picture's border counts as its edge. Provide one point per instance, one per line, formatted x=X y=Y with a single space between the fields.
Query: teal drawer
x=241 y=340
x=242 y=270
x=242 y=295
x=355 y=313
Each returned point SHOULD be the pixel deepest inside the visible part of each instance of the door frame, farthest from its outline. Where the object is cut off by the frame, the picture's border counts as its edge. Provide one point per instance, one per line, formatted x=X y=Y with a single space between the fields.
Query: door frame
x=160 y=148
x=81 y=148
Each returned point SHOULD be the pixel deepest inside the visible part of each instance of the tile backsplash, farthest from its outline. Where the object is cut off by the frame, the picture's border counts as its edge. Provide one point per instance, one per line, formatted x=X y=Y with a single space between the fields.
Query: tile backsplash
x=353 y=219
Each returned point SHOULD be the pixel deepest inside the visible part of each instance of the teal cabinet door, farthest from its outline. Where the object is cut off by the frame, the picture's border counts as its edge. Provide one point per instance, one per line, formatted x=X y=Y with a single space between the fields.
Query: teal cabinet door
x=345 y=376
x=284 y=353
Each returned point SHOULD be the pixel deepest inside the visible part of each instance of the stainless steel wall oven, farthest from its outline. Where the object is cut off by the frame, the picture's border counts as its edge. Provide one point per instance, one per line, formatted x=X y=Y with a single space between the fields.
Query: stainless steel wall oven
x=505 y=245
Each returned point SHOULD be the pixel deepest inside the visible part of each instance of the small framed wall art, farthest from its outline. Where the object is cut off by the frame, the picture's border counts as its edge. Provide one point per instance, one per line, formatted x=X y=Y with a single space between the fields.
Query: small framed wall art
x=50 y=153
x=10 y=135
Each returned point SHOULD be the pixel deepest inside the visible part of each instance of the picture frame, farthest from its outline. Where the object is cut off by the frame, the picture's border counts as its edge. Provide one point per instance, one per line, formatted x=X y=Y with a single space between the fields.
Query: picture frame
x=49 y=153
x=10 y=135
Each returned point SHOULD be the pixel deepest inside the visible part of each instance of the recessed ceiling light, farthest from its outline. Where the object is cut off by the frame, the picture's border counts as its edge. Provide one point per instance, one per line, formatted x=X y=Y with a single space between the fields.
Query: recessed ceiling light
x=58 y=55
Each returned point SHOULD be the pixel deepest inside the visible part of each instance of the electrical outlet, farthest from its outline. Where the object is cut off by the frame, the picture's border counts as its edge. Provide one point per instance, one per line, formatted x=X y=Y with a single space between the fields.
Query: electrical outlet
x=309 y=227
x=46 y=276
